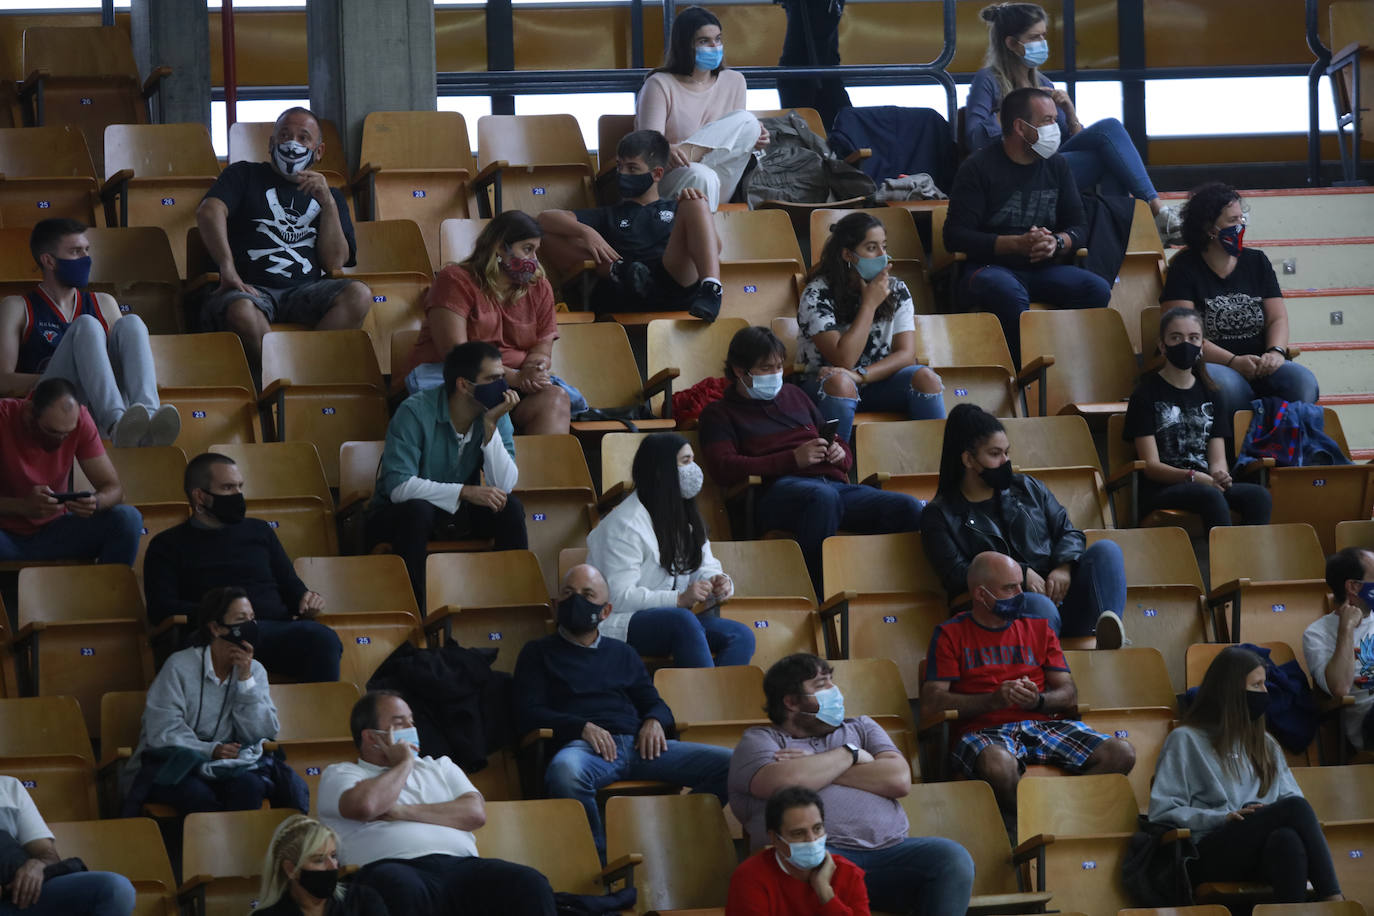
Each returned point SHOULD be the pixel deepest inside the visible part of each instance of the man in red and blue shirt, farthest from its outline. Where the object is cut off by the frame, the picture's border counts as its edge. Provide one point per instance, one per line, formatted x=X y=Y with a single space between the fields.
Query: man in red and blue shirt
x=1006 y=676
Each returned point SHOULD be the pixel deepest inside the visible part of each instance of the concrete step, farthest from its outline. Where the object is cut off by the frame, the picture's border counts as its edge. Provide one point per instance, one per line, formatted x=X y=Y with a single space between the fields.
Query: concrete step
x=1357 y=420
x=1318 y=264
x=1341 y=368
x=1310 y=316
x=1304 y=213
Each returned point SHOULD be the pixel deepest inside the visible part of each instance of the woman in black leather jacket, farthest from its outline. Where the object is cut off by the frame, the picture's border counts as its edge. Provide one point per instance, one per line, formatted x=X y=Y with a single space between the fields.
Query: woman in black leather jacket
x=982 y=505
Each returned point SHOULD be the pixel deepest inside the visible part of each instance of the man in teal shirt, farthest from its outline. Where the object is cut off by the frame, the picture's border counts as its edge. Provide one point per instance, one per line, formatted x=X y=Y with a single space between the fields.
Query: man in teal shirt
x=440 y=446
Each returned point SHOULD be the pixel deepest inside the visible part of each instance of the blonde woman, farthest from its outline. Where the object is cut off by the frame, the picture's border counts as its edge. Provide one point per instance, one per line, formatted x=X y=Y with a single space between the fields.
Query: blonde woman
x=300 y=875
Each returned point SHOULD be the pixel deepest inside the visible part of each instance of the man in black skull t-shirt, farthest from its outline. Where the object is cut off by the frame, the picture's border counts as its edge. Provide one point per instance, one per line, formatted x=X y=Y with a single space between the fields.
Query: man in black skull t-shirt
x=276 y=231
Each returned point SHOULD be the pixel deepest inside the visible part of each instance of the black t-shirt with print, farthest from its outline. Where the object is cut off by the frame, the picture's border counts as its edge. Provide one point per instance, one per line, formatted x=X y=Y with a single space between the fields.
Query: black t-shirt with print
x=638 y=232
x=1180 y=419
x=272 y=225
x=1232 y=307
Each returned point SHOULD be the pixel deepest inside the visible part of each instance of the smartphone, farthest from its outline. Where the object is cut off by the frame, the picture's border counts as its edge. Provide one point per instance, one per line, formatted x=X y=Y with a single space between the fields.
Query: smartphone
x=829 y=429
x=68 y=497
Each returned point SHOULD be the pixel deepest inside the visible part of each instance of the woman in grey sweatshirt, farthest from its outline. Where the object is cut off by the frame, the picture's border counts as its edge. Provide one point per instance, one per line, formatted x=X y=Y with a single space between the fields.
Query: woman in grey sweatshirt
x=1223 y=777
x=207 y=714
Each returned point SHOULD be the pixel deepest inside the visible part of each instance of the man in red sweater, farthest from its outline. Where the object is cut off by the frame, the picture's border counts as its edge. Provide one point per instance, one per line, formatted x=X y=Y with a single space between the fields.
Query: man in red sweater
x=794 y=875
x=767 y=428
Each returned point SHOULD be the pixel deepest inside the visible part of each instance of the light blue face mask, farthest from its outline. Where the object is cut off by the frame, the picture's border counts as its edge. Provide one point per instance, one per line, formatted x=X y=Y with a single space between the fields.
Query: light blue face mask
x=831 y=708
x=411 y=734
x=710 y=58
x=870 y=267
x=806 y=856
x=1036 y=52
x=765 y=387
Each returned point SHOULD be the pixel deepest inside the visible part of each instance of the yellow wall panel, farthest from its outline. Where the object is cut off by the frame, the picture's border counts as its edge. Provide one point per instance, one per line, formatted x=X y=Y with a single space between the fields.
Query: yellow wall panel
x=1190 y=33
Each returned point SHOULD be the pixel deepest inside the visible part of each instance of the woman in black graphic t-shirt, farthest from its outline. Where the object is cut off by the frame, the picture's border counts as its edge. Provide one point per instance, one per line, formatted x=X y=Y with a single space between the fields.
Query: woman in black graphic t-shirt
x=1172 y=421
x=1245 y=321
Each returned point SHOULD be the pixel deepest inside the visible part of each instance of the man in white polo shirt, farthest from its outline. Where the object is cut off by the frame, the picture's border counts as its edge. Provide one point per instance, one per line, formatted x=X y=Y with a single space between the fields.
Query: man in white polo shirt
x=408 y=820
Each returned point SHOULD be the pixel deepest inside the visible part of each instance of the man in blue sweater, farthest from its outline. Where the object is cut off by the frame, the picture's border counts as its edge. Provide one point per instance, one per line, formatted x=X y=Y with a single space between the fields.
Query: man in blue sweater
x=596 y=695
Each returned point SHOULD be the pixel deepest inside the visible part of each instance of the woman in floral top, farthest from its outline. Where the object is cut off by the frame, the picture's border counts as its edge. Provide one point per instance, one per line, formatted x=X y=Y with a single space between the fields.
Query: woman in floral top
x=858 y=331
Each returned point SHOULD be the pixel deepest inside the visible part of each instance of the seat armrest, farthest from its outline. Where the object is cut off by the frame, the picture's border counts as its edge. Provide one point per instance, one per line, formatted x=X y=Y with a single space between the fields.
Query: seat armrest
x=876 y=480
x=534 y=737
x=833 y=605
x=1122 y=475
x=1224 y=591
x=193 y=883
x=115 y=184
x=613 y=495
x=739 y=489
x=154 y=81
x=1034 y=370
x=363 y=175
x=749 y=723
x=859 y=155
x=1173 y=836
x=193 y=284
x=936 y=720
x=440 y=617
x=275 y=388
x=1345 y=56
x=167 y=624
x=33 y=81
x=1031 y=848
x=621 y=869
x=488 y=174
x=661 y=382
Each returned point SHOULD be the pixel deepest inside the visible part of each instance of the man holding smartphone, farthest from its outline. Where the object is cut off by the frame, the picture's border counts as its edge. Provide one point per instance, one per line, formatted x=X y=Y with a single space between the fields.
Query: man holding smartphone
x=41 y=437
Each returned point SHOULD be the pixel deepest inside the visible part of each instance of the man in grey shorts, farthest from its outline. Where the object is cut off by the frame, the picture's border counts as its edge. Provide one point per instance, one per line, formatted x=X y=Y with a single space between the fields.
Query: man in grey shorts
x=277 y=230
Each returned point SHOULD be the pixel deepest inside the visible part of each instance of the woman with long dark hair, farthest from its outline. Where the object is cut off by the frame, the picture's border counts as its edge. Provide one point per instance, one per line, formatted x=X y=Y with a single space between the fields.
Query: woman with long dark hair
x=980 y=504
x=1223 y=777
x=498 y=294
x=653 y=551
x=858 y=331
x=699 y=105
x=1178 y=432
x=1099 y=153
x=1244 y=318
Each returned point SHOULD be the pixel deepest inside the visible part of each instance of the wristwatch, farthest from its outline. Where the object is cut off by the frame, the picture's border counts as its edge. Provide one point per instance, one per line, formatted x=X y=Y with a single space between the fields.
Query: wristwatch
x=854 y=751
x=1059 y=245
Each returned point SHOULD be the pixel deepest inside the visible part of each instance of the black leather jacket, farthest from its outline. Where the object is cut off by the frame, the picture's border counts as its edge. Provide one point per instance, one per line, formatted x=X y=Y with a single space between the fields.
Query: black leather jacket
x=1025 y=522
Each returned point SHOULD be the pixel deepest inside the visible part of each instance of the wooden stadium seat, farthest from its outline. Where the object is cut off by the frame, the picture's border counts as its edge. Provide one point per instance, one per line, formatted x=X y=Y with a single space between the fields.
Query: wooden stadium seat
x=1133 y=677
x=686 y=846
x=152 y=479
x=1125 y=474
x=249 y=142
x=1352 y=845
x=284 y=484
x=597 y=360
x=540 y=162
x=313 y=727
x=136 y=266
x=1200 y=656
x=757 y=235
x=82 y=632
x=1145 y=729
x=773 y=597
x=86 y=76
x=418 y=165
x=553 y=837
x=206 y=376
x=18 y=272
x=131 y=847
x=1082 y=494
x=695 y=349
x=1095 y=368
x=47 y=173
x=1272 y=576
x=966 y=812
x=9 y=679
x=1138 y=285
x=873 y=687
x=1347 y=907
x=1084 y=826
x=713 y=705
x=556 y=490
x=1208 y=909
x=121 y=723
x=44 y=744
x=1164 y=606
x=1344 y=793
x=617 y=457
x=887 y=598
x=221 y=858
x=757 y=291
x=1351 y=71
x=326 y=388
x=496 y=600
x=392 y=262
x=903 y=246
x=1144 y=237
x=1323 y=496
x=969 y=352
x=1355 y=534
x=900 y=455
x=156 y=175
x=457 y=238
x=610 y=129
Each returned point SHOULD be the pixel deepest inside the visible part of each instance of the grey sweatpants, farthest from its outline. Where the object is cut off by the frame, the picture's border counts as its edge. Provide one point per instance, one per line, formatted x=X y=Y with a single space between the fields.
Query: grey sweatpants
x=109 y=374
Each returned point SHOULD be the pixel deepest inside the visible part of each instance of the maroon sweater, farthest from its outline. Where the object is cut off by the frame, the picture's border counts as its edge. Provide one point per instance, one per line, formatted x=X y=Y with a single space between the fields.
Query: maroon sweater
x=742 y=435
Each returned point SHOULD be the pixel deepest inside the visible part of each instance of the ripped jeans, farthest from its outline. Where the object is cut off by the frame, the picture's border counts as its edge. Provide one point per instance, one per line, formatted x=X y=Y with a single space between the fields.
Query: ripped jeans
x=893 y=393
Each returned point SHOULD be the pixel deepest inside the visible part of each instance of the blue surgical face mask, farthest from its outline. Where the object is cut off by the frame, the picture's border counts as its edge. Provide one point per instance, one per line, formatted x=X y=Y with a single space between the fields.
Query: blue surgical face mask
x=765 y=387
x=411 y=734
x=830 y=709
x=73 y=273
x=710 y=58
x=1036 y=53
x=806 y=856
x=1009 y=608
x=871 y=267
x=1366 y=594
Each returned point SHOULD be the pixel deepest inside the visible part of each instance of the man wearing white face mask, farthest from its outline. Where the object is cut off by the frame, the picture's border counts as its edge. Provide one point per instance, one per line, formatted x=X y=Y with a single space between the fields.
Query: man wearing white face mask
x=1014 y=210
x=408 y=820
x=276 y=231
x=859 y=774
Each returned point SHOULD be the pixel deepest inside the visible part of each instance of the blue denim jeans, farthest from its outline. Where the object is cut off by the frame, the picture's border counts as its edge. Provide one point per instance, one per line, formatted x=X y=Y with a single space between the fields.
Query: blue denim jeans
x=110 y=536
x=930 y=876
x=577 y=771
x=1103 y=153
x=893 y=393
x=814 y=508
x=1007 y=293
x=87 y=893
x=1291 y=381
x=1098 y=584
x=690 y=639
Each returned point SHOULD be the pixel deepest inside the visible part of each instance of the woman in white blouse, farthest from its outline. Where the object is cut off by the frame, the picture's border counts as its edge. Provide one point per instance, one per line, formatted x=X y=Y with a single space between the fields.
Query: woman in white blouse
x=653 y=551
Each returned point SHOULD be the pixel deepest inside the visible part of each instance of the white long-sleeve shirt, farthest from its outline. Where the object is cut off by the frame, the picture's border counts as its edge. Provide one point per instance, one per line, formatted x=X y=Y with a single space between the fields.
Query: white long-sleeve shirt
x=498 y=466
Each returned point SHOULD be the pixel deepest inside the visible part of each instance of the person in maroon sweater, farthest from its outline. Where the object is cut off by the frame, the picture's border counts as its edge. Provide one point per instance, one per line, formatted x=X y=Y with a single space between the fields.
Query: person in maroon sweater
x=795 y=875
x=765 y=427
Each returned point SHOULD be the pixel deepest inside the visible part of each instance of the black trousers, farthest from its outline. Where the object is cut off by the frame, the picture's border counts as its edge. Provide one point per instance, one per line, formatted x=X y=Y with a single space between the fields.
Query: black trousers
x=821 y=19
x=409 y=527
x=1251 y=500
x=1280 y=845
x=438 y=885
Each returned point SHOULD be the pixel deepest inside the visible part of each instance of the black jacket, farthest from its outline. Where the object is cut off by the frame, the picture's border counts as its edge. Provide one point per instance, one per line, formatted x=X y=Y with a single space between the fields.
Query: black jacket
x=1025 y=522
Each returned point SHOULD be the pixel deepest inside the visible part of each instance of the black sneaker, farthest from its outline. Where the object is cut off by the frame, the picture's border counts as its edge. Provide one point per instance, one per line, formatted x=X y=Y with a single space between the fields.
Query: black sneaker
x=705 y=302
x=632 y=276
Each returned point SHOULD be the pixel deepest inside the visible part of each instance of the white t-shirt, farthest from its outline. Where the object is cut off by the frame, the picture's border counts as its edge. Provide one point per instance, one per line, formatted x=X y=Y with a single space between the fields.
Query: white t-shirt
x=1319 y=644
x=19 y=816
x=431 y=782
x=816 y=315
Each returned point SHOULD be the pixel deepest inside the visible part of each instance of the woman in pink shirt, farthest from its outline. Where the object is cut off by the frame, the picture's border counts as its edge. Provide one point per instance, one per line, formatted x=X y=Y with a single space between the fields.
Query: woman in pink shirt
x=699 y=106
x=501 y=295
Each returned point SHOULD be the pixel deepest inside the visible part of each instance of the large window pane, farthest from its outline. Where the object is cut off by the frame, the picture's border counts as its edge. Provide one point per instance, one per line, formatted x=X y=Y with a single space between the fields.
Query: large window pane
x=1259 y=105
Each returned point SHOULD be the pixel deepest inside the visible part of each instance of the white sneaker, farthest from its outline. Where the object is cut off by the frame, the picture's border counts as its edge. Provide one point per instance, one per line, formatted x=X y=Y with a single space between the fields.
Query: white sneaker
x=128 y=431
x=1111 y=631
x=163 y=427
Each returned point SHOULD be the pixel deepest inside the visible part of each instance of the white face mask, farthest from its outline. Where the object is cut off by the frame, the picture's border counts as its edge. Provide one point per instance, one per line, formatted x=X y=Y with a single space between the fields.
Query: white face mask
x=766 y=387
x=291 y=157
x=1048 y=144
x=690 y=479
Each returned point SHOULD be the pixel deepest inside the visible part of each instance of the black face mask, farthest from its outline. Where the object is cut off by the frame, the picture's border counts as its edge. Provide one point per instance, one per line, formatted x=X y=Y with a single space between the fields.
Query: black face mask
x=578 y=615
x=1182 y=355
x=229 y=508
x=999 y=478
x=1257 y=702
x=631 y=186
x=490 y=394
x=318 y=884
x=243 y=634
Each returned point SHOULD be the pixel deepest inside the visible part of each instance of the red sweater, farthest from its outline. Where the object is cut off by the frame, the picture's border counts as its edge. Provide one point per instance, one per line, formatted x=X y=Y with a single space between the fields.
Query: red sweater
x=742 y=436
x=759 y=887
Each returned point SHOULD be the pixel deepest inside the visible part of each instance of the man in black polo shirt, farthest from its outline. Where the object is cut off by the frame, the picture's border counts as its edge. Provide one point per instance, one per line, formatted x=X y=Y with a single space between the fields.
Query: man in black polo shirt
x=651 y=254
